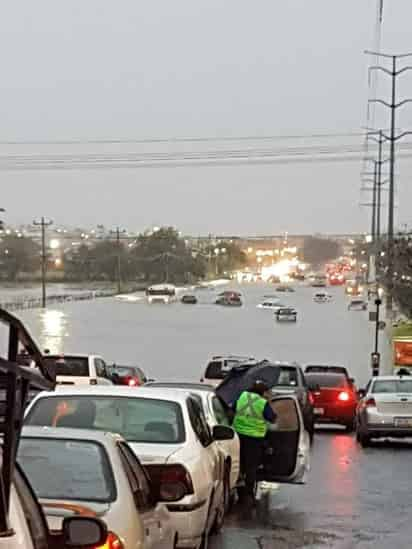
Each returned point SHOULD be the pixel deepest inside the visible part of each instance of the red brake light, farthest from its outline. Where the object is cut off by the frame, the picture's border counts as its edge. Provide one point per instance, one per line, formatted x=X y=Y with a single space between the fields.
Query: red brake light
x=311 y=398
x=171 y=482
x=344 y=396
x=132 y=382
x=112 y=542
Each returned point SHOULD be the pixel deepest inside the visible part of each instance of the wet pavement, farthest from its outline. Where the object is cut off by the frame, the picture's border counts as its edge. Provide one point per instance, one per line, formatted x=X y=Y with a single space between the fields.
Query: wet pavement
x=354 y=498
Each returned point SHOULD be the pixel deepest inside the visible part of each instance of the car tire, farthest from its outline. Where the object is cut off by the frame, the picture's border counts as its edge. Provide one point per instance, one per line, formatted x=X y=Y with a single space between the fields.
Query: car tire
x=364 y=440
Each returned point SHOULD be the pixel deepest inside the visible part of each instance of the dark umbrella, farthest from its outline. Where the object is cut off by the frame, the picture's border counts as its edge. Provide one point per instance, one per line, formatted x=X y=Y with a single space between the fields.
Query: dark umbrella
x=242 y=378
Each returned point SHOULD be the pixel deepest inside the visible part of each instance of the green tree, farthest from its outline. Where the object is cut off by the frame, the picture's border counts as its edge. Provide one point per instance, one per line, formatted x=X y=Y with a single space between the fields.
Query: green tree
x=18 y=255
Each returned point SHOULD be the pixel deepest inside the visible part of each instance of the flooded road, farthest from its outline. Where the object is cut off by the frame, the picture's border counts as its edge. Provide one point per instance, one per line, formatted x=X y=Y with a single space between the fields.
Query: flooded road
x=354 y=498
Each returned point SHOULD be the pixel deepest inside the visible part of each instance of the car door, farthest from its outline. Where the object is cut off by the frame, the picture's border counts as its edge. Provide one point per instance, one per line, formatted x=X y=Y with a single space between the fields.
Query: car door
x=210 y=464
x=287 y=444
x=219 y=416
x=155 y=517
x=102 y=375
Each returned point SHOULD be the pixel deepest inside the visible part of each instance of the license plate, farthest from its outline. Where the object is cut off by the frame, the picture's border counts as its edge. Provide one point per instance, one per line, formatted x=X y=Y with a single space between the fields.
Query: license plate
x=319 y=411
x=403 y=422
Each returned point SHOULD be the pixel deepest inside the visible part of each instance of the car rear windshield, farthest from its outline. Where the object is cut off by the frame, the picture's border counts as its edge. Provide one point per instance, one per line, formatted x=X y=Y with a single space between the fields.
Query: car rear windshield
x=329 y=369
x=326 y=380
x=125 y=371
x=137 y=419
x=392 y=386
x=288 y=377
x=219 y=369
x=70 y=365
x=66 y=469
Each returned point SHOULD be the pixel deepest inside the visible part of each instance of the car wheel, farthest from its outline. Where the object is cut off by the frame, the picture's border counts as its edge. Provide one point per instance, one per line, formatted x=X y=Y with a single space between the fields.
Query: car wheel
x=224 y=504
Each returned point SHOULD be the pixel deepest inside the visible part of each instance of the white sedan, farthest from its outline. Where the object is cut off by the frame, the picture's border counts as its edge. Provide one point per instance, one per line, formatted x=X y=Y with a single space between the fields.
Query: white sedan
x=81 y=472
x=168 y=431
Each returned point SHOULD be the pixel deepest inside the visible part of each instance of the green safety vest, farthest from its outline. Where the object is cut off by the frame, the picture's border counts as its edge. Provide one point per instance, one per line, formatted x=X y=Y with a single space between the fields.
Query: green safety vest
x=249 y=418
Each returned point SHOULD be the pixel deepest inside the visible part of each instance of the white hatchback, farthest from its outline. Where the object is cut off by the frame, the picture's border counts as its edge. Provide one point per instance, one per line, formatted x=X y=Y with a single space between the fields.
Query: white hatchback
x=168 y=431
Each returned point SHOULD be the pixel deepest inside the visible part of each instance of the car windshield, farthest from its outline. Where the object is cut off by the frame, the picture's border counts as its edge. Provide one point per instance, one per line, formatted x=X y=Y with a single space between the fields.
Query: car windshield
x=392 y=386
x=69 y=365
x=287 y=378
x=66 y=469
x=328 y=381
x=137 y=419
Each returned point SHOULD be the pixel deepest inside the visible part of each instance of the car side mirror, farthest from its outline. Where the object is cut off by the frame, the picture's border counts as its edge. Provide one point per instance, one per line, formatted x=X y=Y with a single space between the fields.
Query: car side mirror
x=223 y=432
x=361 y=393
x=83 y=532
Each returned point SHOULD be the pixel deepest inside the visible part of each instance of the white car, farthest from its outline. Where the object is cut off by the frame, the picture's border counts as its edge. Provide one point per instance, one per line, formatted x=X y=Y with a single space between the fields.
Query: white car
x=216 y=414
x=322 y=297
x=357 y=305
x=286 y=314
x=73 y=471
x=76 y=369
x=271 y=304
x=168 y=431
x=219 y=366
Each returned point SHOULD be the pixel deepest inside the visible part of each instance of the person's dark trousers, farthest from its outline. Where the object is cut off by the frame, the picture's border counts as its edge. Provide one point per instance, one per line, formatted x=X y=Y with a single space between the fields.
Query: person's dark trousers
x=251 y=450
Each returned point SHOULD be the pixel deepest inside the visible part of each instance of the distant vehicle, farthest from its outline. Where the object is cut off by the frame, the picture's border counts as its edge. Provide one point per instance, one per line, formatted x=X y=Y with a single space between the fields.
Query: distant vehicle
x=319 y=281
x=168 y=431
x=385 y=409
x=357 y=305
x=229 y=299
x=335 y=398
x=336 y=279
x=328 y=369
x=322 y=297
x=109 y=482
x=161 y=293
x=292 y=380
x=189 y=299
x=133 y=376
x=284 y=288
x=353 y=288
x=272 y=304
x=79 y=369
x=286 y=314
x=274 y=280
x=219 y=367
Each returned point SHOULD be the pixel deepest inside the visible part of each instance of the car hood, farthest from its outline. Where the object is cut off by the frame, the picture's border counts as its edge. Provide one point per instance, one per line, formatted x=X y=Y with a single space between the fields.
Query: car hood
x=57 y=510
x=154 y=453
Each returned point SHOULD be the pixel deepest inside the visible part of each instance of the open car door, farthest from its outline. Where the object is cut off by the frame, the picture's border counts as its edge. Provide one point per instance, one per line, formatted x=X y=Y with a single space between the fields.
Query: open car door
x=287 y=444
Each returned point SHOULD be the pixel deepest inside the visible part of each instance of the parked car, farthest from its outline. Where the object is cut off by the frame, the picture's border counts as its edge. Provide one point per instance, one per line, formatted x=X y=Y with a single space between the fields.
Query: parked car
x=385 y=409
x=217 y=413
x=328 y=369
x=133 y=376
x=335 y=399
x=292 y=381
x=79 y=369
x=74 y=471
x=286 y=314
x=219 y=366
x=168 y=431
x=357 y=305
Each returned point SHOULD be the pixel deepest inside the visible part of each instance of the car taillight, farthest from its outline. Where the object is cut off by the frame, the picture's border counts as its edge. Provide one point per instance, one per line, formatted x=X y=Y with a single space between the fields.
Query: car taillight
x=311 y=398
x=344 y=396
x=112 y=542
x=171 y=482
x=132 y=382
x=370 y=403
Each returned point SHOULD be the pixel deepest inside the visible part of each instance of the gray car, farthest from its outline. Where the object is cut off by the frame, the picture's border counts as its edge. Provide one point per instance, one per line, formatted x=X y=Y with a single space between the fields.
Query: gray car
x=385 y=409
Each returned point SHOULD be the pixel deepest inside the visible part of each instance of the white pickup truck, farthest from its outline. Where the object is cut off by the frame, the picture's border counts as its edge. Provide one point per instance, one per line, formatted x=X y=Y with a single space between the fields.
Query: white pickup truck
x=76 y=369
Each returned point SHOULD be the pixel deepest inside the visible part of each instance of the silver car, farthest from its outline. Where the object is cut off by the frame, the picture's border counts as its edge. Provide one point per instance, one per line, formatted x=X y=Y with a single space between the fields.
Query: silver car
x=385 y=409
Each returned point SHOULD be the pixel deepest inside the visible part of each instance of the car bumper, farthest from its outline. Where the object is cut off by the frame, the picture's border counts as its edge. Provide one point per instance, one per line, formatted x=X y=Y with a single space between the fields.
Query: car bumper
x=379 y=431
x=377 y=425
x=189 y=520
x=333 y=414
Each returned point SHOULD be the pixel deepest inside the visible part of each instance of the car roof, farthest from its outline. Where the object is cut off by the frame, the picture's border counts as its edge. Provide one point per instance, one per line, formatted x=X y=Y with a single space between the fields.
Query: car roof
x=69 y=355
x=113 y=391
x=184 y=385
x=392 y=378
x=338 y=375
x=103 y=437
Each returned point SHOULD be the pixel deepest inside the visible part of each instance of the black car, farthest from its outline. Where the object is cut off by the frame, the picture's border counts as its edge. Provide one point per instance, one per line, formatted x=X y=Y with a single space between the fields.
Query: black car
x=189 y=299
x=292 y=380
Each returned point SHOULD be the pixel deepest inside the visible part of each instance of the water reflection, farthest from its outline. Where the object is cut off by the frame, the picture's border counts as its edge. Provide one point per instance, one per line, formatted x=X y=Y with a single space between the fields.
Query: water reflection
x=53 y=330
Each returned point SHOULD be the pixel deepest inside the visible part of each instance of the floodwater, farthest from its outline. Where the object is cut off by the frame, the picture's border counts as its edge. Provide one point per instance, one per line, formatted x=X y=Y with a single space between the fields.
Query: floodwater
x=354 y=498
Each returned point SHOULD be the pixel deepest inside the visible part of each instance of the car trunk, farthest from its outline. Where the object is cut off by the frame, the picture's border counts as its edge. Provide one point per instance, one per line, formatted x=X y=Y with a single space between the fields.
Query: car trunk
x=327 y=395
x=154 y=453
x=399 y=405
x=281 y=446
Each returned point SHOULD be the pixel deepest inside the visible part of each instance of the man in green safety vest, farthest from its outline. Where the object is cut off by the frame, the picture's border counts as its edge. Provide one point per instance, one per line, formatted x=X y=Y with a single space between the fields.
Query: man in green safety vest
x=252 y=413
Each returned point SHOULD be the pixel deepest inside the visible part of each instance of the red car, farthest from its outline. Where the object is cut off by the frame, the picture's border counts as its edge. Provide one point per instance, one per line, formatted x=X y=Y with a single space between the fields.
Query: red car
x=334 y=398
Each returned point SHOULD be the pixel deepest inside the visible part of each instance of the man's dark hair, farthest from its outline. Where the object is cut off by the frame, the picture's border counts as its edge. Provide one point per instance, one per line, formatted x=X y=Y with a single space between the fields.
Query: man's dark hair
x=259 y=387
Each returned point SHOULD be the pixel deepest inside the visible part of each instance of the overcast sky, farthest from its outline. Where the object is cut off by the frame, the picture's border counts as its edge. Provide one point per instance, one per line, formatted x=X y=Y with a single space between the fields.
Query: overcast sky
x=106 y=70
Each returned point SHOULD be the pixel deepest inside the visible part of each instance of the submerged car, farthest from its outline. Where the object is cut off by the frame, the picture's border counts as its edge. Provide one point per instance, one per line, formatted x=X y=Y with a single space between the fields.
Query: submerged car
x=286 y=314
x=271 y=304
x=322 y=297
x=385 y=409
x=357 y=305
x=229 y=299
x=335 y=399
x=189 y=299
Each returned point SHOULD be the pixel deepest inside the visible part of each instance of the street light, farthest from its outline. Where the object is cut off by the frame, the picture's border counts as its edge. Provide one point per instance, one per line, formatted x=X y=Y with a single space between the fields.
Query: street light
x=376 y=355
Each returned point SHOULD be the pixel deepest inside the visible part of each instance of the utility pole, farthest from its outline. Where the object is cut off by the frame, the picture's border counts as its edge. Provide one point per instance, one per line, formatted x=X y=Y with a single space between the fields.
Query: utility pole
x=118 y=233
x=394 y=72
x=43 y=223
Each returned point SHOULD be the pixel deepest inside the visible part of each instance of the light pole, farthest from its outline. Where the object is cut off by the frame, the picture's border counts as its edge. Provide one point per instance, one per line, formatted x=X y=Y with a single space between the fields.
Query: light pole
x=376 y=355
x=43 y=223
x=117 y=233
